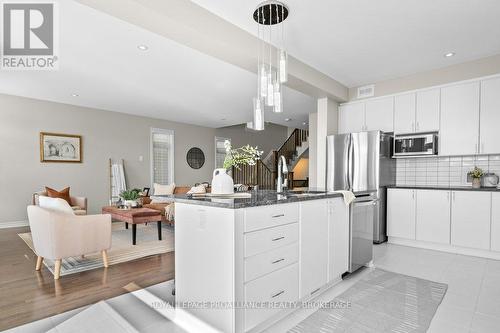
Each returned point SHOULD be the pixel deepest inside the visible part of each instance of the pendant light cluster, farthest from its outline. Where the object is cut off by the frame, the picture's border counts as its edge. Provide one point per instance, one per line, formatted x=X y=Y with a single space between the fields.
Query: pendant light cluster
x=272 y=62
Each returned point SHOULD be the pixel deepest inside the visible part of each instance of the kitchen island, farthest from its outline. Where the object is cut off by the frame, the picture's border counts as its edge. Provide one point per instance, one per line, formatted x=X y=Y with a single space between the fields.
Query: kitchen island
x=241 y=264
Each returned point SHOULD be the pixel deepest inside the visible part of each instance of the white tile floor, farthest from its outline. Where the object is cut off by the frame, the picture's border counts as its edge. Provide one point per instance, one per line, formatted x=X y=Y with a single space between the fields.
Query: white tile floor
x=471 y=304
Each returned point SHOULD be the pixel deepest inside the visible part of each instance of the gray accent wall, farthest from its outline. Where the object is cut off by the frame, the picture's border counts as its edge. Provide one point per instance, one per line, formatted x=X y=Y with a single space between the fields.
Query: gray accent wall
x=105 y=135
x=271 y=138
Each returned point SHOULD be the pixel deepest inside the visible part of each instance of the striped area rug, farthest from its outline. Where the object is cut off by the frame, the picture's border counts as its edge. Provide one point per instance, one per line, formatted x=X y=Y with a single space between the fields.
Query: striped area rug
x=380 y=302
x=121 y=250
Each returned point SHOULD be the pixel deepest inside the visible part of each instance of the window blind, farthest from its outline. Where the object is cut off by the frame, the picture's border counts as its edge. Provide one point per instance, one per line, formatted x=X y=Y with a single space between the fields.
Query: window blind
x=162 y=157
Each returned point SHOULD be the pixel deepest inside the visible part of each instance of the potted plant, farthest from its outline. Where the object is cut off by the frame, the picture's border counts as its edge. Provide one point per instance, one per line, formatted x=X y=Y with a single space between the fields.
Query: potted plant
x=476 y=175
x=222 y=182
x=130 y=198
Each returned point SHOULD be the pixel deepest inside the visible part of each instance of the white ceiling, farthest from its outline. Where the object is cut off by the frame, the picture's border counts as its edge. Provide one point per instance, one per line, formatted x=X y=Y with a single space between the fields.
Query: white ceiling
x=365 y=41
x=100 y=61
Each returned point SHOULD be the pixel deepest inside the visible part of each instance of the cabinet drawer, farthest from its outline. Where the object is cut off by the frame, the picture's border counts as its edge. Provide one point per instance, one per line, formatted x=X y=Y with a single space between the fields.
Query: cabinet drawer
x=279 y=286
x=261 y=264
x=269 y=239
x=269 y=216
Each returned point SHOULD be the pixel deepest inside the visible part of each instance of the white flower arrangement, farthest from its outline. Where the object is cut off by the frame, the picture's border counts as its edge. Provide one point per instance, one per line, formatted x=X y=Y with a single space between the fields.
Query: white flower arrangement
x=245 y=155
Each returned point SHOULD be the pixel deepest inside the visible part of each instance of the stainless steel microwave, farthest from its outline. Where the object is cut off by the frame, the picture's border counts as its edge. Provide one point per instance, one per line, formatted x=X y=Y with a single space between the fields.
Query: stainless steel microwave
x=415 y=144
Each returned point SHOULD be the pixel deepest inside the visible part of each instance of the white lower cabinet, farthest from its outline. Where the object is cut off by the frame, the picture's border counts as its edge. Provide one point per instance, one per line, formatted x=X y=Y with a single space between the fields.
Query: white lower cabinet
x=401 y=213
x=433 y=216
x=265 y=257
x=463 y=220
x=279 y=286
x=495 y=221
x=338 y=238
x=470 y=219
x=313 y=245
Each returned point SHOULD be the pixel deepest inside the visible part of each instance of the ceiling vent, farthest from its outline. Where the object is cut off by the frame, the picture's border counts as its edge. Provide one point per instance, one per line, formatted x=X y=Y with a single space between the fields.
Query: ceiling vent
x=366 y=91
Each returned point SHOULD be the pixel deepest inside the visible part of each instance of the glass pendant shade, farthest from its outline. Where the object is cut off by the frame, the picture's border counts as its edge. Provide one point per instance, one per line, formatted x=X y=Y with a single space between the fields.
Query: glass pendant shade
x=278 y=107
x=270 y=90
x=283 y=64
x=263 y=81
x=258 y=114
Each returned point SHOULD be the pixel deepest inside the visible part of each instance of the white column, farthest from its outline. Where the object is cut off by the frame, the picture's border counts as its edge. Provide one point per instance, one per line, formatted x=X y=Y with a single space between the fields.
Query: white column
x=322 y=123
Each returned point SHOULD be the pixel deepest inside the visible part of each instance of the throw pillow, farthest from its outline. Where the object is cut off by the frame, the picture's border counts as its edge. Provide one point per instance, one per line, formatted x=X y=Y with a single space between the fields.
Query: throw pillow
x=163 y=189
x=63 y=194
x=56 y=204
x=197 y=189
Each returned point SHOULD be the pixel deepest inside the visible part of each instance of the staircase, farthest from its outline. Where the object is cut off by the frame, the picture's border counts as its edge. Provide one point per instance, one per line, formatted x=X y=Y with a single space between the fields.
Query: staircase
x=264 y=173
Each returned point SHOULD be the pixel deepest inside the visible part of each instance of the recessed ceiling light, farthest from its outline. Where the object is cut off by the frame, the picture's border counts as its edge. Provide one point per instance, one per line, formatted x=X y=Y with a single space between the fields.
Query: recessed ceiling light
x=449 y=54
x=75 y=95
x=288 y=119
x=304 y=123
x=142 y=47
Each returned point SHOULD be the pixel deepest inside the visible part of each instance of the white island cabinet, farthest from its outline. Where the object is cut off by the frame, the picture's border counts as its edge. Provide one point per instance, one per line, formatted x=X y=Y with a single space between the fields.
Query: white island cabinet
x=233 y=261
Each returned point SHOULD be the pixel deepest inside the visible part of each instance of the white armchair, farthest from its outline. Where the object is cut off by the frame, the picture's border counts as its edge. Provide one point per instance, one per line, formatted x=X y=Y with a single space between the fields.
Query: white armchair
x=59 y=235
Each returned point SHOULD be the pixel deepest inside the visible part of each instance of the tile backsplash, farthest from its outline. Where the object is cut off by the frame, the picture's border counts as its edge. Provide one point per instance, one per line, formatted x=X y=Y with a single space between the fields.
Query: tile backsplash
x=442 y=171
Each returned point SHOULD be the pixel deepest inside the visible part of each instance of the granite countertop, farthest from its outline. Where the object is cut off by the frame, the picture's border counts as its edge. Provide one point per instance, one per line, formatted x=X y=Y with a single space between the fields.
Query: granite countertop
x=258 y=198
x=448 y=188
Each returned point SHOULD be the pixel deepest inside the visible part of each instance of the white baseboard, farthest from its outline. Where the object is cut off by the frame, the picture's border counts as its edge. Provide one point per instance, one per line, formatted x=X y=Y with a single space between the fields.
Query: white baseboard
x=13 y=224
x=445 y=248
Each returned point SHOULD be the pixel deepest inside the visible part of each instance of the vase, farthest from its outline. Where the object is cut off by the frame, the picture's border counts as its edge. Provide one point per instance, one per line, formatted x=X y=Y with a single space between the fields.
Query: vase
x=476 y=182
x=222 y=183
x=130 y=203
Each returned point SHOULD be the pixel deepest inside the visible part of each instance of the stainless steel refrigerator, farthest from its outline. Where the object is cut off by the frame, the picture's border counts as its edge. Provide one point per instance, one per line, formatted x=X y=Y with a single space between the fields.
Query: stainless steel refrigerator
x=361 y=162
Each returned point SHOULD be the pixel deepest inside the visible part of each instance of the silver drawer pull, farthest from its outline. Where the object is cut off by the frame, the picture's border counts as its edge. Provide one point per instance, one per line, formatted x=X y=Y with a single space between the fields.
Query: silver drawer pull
x=278 y=294
x=279 y=215
x=277 y=261
x=278 y=238
x=315 y=291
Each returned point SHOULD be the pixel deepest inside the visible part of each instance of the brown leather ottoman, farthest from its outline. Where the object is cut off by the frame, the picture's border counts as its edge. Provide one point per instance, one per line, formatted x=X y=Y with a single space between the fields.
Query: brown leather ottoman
x=134 y=216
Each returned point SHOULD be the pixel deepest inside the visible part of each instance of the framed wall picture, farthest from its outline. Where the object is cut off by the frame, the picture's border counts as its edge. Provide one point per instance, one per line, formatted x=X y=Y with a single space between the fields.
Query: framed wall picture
x=62 y=148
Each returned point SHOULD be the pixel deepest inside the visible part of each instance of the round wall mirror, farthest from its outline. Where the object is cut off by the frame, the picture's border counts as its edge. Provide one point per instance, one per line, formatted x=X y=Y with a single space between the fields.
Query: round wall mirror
x=195 y=158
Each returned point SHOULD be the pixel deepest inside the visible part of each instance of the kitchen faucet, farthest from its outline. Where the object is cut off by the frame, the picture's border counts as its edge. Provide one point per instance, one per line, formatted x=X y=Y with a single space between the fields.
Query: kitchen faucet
x=282 y=169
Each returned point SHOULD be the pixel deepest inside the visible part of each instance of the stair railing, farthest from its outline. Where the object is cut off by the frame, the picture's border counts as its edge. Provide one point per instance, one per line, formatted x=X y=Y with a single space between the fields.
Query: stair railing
x=289 y=147
x=265 y=176
x=258 y=174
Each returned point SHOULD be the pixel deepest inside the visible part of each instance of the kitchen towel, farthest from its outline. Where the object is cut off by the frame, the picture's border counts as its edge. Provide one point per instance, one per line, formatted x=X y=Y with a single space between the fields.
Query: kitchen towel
x=348 y=196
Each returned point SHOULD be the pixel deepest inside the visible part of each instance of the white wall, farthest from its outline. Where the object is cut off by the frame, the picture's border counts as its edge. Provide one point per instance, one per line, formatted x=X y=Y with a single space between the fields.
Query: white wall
x=459 y=72
x=325 y=122
x=105 y=135
x=313 y=149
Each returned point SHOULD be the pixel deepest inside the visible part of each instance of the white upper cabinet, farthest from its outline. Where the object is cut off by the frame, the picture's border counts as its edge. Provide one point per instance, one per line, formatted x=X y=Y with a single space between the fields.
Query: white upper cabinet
x=404 y=114
x=352 y=118
x=490 y=117
x=427 y=111
x=380 y=114
x=459 y=130
x=433 y=216
x=470 y=219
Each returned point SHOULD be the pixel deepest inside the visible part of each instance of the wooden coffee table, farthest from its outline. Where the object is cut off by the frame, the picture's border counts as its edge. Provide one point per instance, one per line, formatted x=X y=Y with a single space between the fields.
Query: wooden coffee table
x=134 y=216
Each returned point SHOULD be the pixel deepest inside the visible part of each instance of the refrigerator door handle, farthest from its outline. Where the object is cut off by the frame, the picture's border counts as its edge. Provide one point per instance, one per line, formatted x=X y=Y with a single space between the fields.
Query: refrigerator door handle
x=350 y=165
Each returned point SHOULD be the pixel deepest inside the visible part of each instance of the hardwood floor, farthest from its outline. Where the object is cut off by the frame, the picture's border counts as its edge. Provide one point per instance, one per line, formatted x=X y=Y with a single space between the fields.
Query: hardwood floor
x=27 y=295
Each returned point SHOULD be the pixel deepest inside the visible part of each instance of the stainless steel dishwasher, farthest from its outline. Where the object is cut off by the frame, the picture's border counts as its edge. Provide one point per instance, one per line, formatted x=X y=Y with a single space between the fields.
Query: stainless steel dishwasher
x=362 y=215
